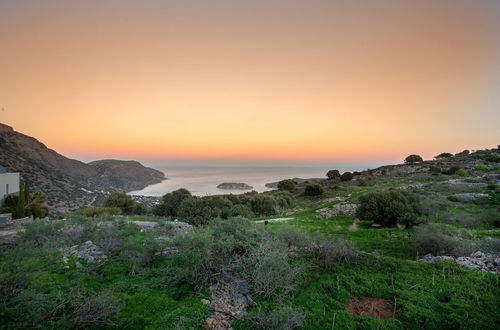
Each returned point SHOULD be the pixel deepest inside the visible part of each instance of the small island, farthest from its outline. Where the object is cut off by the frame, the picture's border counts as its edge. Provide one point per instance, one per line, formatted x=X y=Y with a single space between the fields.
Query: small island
x=235 y=186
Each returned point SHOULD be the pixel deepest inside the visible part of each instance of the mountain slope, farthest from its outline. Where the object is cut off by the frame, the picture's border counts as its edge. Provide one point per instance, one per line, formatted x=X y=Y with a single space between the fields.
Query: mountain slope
x=69 y=183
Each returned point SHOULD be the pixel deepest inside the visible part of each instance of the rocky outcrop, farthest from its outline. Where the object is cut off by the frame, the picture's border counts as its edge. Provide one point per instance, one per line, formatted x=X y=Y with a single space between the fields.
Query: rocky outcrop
x=469 y=197
x=338 y=209
x=125 y=175
x=229 y=298
x=234 y=186
x=87 y=251
x=477 y=260
x=68 y=183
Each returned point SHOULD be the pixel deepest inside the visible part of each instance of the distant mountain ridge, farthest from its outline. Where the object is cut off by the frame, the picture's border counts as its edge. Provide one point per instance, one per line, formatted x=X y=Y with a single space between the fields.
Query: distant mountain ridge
x=69 y=183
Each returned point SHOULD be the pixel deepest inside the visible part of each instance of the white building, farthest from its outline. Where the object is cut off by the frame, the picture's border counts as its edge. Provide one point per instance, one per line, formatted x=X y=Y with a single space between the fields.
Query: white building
x=9 y=183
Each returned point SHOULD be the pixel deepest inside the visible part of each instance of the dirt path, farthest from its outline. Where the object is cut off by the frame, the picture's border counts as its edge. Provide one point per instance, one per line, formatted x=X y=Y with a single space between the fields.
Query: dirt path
x=274 y=220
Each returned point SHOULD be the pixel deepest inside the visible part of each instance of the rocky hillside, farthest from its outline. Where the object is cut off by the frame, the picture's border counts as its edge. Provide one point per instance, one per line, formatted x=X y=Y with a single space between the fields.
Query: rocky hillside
x=125 y=175
x=69 y=183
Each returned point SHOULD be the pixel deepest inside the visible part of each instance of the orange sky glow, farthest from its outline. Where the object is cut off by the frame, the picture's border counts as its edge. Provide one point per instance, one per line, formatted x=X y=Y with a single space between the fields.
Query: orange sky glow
x=252 y=80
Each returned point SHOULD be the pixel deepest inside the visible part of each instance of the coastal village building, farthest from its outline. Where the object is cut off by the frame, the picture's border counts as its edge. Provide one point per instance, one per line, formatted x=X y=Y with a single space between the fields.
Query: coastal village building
x=9 y=183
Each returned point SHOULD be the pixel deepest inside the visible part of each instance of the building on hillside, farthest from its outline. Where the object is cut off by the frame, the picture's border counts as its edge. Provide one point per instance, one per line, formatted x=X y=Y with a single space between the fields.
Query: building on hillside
x=9 y=183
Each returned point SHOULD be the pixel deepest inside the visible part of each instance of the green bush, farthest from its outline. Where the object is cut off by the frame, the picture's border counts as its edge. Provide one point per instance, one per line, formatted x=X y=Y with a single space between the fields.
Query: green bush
x=125 y=203
x=330 y=252
x=26 y=203
x=346 y=176
x=389 y=208
x=429 y=239
x=313 y=189
x=412 y=159
x=171 y=202
x=93 y=212
x=451 y=170
x=443 y=155
x=463 y=153
x=280 y=318
x=269 y=270
x=286 y=185
x=482 y=167
x=462 y=172
x=333 y=174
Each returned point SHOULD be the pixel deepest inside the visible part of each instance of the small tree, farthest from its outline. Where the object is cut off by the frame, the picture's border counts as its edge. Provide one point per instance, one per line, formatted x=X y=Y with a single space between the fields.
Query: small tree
x=121 y=201
x=443 y=155
x=346 y=176
x=333 y=174
x=25 y=203
x=287 y=185
x=170 y=203
x=463 y=153
x=412 y=159
x=389 y=208
x=313 y=190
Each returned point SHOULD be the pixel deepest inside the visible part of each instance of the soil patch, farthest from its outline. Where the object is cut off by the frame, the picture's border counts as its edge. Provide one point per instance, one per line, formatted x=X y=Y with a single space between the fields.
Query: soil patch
x=379 y=309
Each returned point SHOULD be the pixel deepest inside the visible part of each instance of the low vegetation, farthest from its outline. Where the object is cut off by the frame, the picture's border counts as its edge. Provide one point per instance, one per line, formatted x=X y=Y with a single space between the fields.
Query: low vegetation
x=302 y=270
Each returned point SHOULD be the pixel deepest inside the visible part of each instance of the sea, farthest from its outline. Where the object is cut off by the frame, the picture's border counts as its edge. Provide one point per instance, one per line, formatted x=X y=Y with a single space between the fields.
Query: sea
x=201 y=179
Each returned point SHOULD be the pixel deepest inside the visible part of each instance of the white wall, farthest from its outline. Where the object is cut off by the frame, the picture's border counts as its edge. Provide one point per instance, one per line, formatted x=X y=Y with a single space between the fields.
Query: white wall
x=10 y=179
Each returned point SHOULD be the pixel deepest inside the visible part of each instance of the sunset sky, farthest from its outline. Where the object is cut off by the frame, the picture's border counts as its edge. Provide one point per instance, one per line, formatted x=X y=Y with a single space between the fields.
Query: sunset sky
x=280 y=80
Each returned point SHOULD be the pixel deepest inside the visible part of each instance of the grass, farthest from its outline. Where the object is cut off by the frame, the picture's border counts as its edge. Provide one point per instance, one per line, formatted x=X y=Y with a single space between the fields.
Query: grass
x=138 y=290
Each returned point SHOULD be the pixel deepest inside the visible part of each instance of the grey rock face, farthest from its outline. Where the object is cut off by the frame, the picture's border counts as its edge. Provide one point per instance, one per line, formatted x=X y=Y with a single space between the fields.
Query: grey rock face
x=470 y=197
x=87 y=251
x=338 y=209
x=477 y=260
x=229 y=299
x=179 y=227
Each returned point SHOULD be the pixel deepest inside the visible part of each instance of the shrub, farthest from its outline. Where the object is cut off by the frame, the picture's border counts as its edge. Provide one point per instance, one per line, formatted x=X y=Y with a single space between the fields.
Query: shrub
x=287 y=185
x=463 y=153
x=443 y=155
x=412 y=159
x=25 y=203
x=330 y=252
x=313 y=189
x=451 y=170
x=120 y=200
x=92 y=212
x=346 y=176
x=389 y=208
x=171 y=202
x=294 y=238
x=482 y=167
x=93 y=310
x=281 y=318
x=268 y=269
x=429 y=240
x=435 y=170
x=333 y=174
x=194 y=212
x=462 y=172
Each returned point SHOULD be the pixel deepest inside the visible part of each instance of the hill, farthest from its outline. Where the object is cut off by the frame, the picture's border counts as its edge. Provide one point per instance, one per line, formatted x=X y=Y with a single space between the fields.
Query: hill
x=69 y=183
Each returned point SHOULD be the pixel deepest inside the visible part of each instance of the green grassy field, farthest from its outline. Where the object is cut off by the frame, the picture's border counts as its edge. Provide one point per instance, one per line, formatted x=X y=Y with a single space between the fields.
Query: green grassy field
x=136 y=289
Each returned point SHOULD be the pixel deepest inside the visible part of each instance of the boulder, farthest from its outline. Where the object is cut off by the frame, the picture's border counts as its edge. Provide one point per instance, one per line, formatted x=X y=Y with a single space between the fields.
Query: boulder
x=470 y=197
x=338 y=209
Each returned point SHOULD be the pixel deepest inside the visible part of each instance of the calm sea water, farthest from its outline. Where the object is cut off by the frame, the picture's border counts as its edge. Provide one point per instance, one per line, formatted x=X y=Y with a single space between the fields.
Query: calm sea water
x=202 y=179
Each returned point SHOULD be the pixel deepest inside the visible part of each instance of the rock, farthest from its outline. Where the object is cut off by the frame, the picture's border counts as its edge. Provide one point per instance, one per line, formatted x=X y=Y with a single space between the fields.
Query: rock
x=230 y=297
x=205 y=301
x=179 y=227
x=478 y=260
x=87 y=251
x=338 y=209
x=235 y=186
x=470 y=197
x=168 y=251
x=478 y=254
x=376 y=225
